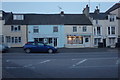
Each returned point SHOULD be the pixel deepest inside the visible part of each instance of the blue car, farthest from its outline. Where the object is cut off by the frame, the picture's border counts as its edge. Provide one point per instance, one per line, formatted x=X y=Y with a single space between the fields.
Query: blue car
x=38 y=47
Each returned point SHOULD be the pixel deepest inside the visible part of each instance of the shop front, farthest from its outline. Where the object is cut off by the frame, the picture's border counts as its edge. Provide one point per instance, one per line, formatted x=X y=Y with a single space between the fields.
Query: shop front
x=77 y=41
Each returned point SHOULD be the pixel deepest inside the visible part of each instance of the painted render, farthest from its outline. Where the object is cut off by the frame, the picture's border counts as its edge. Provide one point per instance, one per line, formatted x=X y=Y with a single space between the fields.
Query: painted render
x=46 y=31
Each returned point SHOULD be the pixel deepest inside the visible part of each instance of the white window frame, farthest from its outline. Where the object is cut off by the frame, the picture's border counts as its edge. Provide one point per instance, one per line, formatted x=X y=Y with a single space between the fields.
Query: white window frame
x=36 y=28
x=84 y=28
x=16 y=40
x=74 y=28
x=111 y=30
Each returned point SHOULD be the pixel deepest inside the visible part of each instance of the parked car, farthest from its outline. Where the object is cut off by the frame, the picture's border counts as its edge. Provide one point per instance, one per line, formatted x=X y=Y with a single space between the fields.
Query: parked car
x=38 y=47
x=4 y=48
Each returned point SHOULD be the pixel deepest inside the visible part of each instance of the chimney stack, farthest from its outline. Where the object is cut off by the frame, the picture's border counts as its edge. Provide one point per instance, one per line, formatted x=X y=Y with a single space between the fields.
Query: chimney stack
x=86 y=11
x=62 y=13
x=97 y=11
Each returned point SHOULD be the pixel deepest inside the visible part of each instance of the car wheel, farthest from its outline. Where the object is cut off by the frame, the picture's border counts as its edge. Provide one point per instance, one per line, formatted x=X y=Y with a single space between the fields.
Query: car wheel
x=27 y=50
x=50 y=51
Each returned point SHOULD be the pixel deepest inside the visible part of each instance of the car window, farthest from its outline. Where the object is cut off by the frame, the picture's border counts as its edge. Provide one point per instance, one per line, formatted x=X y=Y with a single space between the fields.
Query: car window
x=40 y=44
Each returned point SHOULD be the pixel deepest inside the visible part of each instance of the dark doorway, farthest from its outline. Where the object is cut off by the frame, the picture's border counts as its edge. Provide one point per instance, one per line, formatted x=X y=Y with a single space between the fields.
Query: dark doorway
x=118 y=40
x=104 y=42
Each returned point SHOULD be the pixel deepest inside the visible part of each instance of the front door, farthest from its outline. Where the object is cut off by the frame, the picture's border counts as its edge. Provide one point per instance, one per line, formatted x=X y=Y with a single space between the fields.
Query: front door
x=104 y=42
x=87 y=41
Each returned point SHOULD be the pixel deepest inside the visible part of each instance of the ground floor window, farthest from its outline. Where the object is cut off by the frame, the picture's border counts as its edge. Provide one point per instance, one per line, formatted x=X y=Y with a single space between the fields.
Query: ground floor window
x=16 y=39
x=74 y=39
x=97 y=40
x=8 y=39
x=48 y=41
x=111 y=41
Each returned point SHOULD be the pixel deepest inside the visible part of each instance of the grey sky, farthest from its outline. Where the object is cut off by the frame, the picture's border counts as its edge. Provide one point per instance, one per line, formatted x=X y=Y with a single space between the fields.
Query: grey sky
x=52 y=7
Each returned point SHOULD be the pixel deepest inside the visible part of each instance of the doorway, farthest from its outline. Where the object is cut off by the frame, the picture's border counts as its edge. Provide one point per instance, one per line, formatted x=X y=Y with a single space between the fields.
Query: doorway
x=104 y=42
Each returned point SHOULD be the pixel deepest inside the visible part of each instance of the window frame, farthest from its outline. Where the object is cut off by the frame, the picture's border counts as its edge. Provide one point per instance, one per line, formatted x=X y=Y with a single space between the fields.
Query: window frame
x=74 y=28
x=84 y=29
x=55 y=29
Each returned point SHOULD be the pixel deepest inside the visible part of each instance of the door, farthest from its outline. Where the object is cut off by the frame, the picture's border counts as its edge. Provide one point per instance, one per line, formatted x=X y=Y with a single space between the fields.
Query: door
x=104 y=42
x=41 y=47
x=55 y=42
x=86 y=41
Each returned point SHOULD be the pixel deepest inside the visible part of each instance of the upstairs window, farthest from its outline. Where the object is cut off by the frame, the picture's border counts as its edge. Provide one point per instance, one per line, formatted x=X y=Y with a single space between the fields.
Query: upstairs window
x=15 y=28
x=108 y=30
x=35 y=29
x=55 y=29
x=98 y=30
x=112 y=18
x=74 y=29
x=112 y=30
x=18 y=17
x=84 y=28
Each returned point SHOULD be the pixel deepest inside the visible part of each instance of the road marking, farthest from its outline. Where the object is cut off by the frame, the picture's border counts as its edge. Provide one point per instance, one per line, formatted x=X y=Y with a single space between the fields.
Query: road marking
x=44 y=61
x=80 y=62
x=30 y=65
x=94 y=66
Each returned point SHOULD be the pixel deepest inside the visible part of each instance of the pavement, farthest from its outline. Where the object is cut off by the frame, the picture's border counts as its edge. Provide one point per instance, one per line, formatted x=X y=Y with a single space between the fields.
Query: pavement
x=72 y=50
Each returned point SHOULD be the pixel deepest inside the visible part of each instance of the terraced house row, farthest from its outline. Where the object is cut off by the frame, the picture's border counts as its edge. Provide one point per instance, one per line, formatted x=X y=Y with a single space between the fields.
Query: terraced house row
x=62 y=30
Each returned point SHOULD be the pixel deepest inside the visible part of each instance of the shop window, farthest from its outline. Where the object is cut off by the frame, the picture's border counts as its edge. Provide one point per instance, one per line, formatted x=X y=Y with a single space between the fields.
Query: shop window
x=74 y=40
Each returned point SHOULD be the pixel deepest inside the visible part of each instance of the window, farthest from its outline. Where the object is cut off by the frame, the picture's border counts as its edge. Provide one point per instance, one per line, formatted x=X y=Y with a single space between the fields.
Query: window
x=96 y=41
x=19 y=39
x=8 y=39
x=2 y=39
x=15 y=28
x=96 y=21
x=86 y=39
x=112 y=41
x=18 y=17
x=94 y=31
x=74 y=29
x=98 y=31
x=112 y=30
x=84 y=28
x=36 y=29
x=112 y=18
x=16 y=39
x=40 y=44
x=12 y=39
x=108 y=30
x=55 y=29
x=74 y=39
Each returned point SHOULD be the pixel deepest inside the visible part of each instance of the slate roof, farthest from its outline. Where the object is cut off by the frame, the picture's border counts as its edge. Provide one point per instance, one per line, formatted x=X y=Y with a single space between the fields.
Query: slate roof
x=49 y=19
x=100 y=16
x=117 y=5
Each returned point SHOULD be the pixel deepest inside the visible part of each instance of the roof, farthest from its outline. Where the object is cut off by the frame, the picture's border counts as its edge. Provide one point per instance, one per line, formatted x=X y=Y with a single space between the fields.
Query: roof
x=49 y=19
x=100 y=16
x=116 y=6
